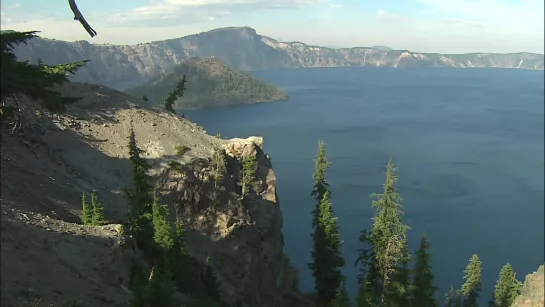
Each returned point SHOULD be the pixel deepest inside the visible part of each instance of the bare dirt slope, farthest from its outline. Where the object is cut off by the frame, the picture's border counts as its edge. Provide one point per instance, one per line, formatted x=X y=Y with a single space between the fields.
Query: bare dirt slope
x=47 y=255
x=86 y=149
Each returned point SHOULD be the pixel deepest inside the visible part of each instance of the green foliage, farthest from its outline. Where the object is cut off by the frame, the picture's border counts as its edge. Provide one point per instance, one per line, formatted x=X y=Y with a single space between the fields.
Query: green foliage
x=175 y=166
x=387 y=254
x=157 y=292
x=289 y=275
x=326 y=253
x=31 y=80
x=321 y=186
x=92 y=214
x=472 y=282
x=140 y=198
x=86 y=211
x=423 y=288
x=163 y=232
x=508 y=287
x=453 y=298
x=175 y=94
x=212 y=84
x=249 y=169
x=219 y=160
x=364 y=298
x=98 y=211
x=341 y=298
x=181 y=149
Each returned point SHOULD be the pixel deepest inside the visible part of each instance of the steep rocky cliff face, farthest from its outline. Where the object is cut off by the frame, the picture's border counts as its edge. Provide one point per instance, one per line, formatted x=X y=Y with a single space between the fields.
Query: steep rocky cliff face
x=125 y=66
x=45 y=170
x=533 y=291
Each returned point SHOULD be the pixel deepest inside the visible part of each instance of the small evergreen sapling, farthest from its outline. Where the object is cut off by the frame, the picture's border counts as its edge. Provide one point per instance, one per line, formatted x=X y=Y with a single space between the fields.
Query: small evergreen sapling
x=86 y=211
x=163 y=232
x=98 y=211
x=249 y=168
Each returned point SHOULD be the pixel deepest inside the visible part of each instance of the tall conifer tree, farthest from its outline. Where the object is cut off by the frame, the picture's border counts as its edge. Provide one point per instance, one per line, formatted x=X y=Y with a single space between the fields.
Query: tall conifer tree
x=472 y=282
x=140 y=198
x=321 y=186
x=326 y=254
x=423 y=289
x=508 y=287
x=385 y=255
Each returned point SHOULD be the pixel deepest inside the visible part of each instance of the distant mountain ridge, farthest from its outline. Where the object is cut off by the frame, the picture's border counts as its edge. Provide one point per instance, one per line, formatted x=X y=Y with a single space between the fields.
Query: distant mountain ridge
x=123 y=66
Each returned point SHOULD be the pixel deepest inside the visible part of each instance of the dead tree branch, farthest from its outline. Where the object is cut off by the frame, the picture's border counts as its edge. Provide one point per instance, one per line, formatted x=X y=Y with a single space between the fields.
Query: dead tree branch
x=79 y=17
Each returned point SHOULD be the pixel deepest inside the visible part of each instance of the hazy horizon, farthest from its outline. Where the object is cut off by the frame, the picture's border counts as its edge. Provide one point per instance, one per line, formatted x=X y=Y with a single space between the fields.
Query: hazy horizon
x=262 y=34
x=426 y=26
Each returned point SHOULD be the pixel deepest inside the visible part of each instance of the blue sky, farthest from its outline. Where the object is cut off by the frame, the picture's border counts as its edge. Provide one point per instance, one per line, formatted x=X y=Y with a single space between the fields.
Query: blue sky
x=447 y=26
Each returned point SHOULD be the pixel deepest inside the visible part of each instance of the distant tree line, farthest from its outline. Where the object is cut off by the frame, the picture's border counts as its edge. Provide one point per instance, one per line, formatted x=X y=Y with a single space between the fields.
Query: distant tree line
x=207 y=86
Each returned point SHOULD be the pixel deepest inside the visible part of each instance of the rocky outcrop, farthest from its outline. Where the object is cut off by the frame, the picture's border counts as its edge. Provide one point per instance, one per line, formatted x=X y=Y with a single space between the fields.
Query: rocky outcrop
x=45 y=170
x=242 y=48
x=241 y=235
x=533 y=290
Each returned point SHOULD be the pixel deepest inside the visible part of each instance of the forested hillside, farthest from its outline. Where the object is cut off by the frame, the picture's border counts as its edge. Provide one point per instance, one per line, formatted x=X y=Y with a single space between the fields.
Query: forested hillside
x=209 y=83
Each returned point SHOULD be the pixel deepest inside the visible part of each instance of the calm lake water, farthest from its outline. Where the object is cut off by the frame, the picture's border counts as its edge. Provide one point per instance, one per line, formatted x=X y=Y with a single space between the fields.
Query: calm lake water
x=468 y=145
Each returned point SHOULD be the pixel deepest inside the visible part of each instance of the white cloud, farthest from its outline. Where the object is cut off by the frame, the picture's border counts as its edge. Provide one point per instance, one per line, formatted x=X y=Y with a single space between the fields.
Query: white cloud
x=390 y=16
x=520 y=16
x=462 y=22
x=178 y=12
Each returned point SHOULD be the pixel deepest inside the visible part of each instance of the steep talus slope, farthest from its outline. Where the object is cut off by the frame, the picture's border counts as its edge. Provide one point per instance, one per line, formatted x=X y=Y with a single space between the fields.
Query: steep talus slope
x=242 y=48
x=45 y=172
x=533 y=291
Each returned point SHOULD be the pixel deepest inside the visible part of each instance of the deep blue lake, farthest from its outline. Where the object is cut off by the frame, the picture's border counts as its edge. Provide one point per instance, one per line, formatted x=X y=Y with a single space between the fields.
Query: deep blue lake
x=468 y=145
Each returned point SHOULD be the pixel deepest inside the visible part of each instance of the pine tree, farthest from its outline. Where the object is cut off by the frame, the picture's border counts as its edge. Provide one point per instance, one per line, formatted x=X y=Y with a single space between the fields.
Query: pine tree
x=160 y=289
x=321 y=186
x=98 y=211
x=179 y=231
x=249 y=168
x=289 y=275
x=175 y=94
x=458 y=301
x=472 y=282
x=423 y=288
x=364 y=298
x=86 y=211
x=508 y=287
x=341 y=298
x=140 y=198
x=453 y=298
x=326 y=253
x=163 y=232
x=220 y=162
x=385 y=255
x=31 y=80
